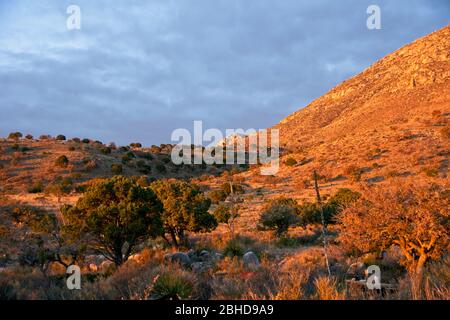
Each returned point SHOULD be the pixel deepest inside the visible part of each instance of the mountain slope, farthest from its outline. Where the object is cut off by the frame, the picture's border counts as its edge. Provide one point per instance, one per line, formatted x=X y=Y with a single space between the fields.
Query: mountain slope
x=411 y=82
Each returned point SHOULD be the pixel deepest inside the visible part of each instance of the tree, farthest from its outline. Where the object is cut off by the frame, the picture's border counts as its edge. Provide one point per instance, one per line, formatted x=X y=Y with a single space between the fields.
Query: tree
x=15 y=136
x=185 y=209
x=61 y=137
x=278 y=215
x=416 y=219
x=114 y=216
x=42 y=240
x=116 y=168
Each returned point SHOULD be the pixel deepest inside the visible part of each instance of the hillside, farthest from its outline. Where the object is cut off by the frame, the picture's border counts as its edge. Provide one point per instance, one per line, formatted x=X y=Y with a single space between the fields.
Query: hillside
x=365 y=139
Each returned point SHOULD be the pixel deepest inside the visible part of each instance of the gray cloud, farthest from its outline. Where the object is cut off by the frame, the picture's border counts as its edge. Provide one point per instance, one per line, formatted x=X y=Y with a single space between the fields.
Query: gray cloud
x=138 y=69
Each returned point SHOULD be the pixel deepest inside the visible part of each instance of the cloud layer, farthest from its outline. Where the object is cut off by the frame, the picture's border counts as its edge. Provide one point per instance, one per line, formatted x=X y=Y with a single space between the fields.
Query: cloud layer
x=139 y=69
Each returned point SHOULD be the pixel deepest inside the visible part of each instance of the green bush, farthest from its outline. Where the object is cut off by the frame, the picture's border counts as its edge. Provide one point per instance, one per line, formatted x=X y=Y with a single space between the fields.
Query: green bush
x=61 y=137
x=62 y=161
x=105 y=150
x=173 y=285
x=160 y=168
x=290 y=162
x=15 y=136
x=116 y=168
x=217 y=195
x=277 y=217
x=136 y=145
x=431 y=172
x=233 y=248
x=36 y=187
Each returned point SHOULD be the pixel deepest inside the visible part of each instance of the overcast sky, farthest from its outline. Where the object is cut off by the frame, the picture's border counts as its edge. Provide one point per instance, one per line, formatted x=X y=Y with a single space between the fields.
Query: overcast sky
x=137 y=70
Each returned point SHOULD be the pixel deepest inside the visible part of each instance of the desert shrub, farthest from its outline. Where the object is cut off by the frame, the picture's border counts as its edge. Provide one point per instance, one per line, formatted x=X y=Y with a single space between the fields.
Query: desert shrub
x=61 y=137
x=237 y=188
x=36 y=187
x=112 y=146
x=353 y=172
x=62 y=161
x=15 y=147
x=155 y=149
x=146 y=155
x=288 y=242
x=127 y=157
x=227 y=213
x=277 y=217
x=327 y=289
x=76 y=140
x=90 y=165
x=341 y=200
x=173 y=284
x=72 y=148
x=431 y=172
x=116 y=214
x=217 y=195
x=45 y=137
x=116 y=168
x=166 y=160
x=160 y=168
x=29 y=137
x=58 y=189
x=290 y=162
x=309 y=213
x=222 y=213
x=105 y=150
x=85 y=140
x=136 y=145
x=15 y=136
x=233 y=248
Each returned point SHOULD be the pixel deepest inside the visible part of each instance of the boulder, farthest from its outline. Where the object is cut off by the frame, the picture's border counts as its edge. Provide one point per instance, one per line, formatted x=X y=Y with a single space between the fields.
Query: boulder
x=250 y=260
x=93 y=267
x=178 y=257
x=106 y=264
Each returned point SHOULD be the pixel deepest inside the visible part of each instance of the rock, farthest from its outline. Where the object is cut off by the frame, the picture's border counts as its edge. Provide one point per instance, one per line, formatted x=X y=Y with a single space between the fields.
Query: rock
x=205 y=255
x=198 y=267
x=93 y=267
x=250 y=260
x=178 y=257
x=106 y=264
x=218 y=256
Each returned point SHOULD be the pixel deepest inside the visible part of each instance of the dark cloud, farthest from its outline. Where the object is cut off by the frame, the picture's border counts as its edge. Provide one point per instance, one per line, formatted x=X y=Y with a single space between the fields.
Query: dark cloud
x=139 y=69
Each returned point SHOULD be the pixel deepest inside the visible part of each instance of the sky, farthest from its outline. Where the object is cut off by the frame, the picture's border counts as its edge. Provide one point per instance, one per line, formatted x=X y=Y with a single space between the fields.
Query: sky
x=137 y=70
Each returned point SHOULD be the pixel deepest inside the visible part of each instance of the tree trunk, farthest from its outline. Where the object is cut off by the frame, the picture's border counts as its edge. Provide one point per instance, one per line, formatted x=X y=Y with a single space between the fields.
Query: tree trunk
x=174 y=237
